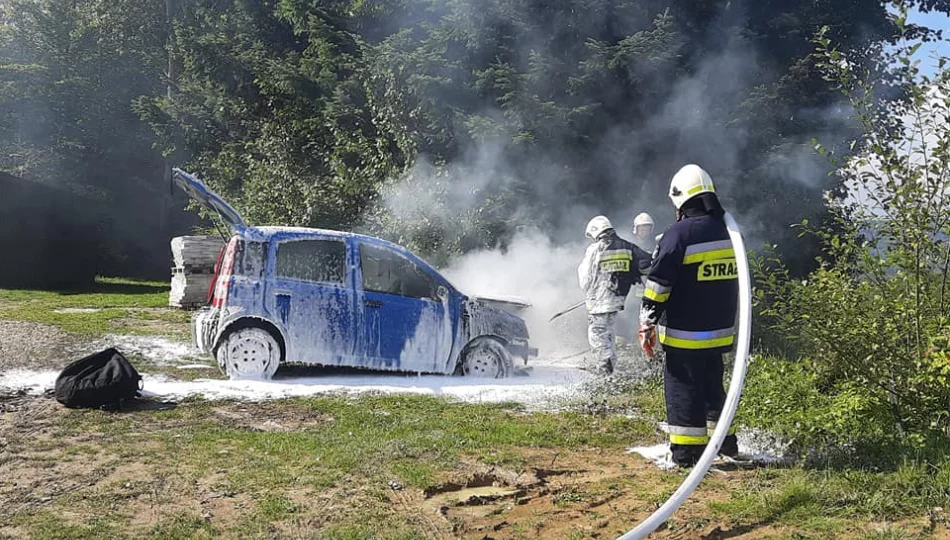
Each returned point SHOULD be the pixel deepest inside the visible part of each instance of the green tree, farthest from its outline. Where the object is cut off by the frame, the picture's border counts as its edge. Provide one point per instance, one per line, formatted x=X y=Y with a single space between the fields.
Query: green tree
x=871 y=324
x=69 y=72
x=270 y=110
x=595 y=104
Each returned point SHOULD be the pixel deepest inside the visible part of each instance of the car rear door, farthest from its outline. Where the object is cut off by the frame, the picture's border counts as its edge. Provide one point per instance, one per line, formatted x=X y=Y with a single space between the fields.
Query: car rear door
x=197 y=190
x=406 y=321
x=310 y=291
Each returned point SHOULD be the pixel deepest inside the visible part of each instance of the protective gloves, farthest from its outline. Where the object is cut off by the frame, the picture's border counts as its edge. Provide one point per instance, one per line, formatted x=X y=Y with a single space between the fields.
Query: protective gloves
x=647 y=337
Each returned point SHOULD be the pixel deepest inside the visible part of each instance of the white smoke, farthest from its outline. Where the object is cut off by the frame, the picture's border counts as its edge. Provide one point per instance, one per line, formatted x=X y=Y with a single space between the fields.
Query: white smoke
x=544 y=272
x=695 y=123
x=441 y=193
x=537 y=269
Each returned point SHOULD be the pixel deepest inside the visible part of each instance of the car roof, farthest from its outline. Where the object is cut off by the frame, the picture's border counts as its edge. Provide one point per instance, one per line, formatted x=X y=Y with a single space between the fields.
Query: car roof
x=265 y=233
x=197 y=190
x=268 y=231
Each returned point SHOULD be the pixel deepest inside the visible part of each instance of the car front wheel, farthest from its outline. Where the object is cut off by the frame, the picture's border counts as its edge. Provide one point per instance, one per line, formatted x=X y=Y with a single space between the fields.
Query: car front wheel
x=486 y=357
x=249 y=353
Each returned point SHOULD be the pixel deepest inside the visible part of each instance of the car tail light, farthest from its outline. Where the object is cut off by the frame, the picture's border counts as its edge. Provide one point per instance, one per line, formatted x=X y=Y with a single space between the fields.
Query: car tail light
x=222 y=274
x=214 y=277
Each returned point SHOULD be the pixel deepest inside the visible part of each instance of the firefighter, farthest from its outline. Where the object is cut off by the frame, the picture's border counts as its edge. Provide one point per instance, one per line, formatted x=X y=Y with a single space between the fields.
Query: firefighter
x=643 y=232
x=610 y=266
x=689 y=306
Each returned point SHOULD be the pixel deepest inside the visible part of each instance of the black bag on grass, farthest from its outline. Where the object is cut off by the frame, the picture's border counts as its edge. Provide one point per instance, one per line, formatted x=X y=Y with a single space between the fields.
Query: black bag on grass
x=100 y=380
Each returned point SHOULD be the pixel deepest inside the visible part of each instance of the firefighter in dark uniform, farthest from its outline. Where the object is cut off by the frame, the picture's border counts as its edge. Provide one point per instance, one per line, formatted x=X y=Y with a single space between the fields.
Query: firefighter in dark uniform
x=689 y=305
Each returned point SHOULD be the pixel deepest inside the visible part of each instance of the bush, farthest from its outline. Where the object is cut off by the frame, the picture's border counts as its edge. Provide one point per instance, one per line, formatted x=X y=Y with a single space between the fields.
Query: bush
x=867 y=332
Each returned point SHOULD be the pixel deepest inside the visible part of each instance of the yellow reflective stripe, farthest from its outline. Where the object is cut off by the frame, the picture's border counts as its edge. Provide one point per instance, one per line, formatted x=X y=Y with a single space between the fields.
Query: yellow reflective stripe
x=693 y=258
x=707 y=339
x=696 y=343
x=689 y=439
x=696 y=189
x=616 y=257
x=655 y=296
x=656 y=292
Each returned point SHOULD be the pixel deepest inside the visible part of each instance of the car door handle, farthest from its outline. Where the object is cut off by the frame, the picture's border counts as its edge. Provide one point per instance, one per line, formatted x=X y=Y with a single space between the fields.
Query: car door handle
x=372 y=303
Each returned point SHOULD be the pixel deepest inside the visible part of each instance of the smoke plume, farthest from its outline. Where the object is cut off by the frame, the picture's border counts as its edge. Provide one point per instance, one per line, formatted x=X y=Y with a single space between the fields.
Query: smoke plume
x=537 y=255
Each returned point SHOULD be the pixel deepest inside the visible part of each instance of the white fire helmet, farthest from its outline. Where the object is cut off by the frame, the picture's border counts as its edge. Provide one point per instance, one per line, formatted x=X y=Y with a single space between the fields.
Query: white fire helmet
x=642 y=219
x=688 y=182
x=597 y=226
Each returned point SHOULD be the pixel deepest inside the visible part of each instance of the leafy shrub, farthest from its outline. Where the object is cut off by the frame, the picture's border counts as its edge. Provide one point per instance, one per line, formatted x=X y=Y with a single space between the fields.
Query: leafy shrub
x=867 y=332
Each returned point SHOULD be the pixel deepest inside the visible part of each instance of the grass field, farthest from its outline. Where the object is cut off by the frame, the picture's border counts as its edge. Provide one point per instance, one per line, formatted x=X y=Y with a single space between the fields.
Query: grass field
x=388 y=466
x=111 y=306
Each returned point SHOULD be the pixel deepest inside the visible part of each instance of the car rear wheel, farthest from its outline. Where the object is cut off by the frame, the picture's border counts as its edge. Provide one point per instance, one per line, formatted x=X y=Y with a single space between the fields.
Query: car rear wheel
x=486 y=357
x=249 y=353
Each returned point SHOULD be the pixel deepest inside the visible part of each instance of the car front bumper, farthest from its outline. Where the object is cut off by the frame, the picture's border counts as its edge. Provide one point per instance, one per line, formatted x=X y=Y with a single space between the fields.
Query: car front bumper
x=522 y=350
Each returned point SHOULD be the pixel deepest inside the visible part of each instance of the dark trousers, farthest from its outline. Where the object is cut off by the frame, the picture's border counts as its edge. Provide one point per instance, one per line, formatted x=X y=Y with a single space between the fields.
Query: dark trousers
x=694 y=399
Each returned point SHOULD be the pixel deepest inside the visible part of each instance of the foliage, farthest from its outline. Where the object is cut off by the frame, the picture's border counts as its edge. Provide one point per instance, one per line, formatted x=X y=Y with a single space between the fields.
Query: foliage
x=311 y=113
x=489 y=115
x=597 y=114
x=871 y=323
x=269 y=110
x=69 y=71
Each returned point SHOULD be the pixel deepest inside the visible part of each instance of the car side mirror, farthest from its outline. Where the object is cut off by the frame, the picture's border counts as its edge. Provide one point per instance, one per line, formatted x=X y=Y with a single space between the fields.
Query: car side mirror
x=441 y=292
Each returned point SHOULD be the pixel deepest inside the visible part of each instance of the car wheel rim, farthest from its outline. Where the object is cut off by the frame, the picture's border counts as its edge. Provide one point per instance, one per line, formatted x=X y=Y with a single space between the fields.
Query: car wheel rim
x=249 y=357
x=481 y=363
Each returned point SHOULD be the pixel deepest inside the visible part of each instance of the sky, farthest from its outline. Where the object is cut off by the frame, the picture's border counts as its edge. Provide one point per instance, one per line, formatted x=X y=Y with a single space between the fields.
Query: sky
x=931 y=20
x=927 y=65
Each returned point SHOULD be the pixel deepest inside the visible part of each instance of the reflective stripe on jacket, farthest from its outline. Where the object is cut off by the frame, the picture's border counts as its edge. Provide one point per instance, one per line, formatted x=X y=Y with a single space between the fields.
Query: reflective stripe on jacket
x=609 y=268
x=692 y=286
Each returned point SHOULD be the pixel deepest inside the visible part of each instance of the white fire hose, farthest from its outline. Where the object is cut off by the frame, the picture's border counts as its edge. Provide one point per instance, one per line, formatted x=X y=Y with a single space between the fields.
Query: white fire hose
x=732 y=398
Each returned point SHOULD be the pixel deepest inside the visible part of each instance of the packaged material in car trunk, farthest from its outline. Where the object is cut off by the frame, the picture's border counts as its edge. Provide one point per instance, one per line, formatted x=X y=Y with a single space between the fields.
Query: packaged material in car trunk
x=195 y=257
x=189 y=290
x=196 y=251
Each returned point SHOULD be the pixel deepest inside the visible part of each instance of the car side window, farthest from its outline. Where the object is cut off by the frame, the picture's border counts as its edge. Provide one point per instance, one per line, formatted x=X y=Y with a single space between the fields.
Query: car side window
x=388 y=272
x=319 y=261
x=249 y=260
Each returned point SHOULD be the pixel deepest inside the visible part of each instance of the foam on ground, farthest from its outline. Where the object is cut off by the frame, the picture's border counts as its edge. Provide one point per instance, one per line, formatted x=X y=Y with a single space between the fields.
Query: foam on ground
x=544 y=385
x=159 y=351
x=756 y=446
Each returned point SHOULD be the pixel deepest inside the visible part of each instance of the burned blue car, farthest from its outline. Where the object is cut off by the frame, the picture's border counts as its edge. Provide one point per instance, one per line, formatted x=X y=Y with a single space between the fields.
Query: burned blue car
x=288 y=295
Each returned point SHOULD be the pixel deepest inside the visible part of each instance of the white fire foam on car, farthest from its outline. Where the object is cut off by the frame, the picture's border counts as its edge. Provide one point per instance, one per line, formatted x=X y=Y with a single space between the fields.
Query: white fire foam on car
x=544 y=386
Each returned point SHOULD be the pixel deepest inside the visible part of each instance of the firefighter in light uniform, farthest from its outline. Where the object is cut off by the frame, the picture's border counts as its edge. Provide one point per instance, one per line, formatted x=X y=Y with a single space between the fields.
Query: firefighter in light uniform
x=610 y=266
x=643 y=232
x=689 y=305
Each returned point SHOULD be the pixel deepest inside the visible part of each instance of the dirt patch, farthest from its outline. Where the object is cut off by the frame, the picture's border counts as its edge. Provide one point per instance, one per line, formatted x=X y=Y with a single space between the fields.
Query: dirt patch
x=556 y=496
x=153 y=497
x=268 y=416
x=39 y=464
x=72 y=464
x=33 y=345
x=580 y=494
x=45 y=464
